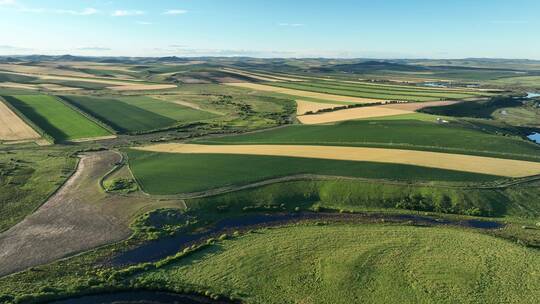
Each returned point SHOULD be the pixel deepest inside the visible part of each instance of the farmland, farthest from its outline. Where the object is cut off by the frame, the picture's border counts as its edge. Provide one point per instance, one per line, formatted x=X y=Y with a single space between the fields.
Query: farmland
x=121 y=116
x=252 y=180
x=55 y=118
x=158 y=173
x=396 y=133
x=13 y=128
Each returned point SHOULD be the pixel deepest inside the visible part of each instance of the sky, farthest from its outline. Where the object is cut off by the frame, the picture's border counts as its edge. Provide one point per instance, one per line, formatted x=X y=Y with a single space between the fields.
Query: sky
x=273 y=28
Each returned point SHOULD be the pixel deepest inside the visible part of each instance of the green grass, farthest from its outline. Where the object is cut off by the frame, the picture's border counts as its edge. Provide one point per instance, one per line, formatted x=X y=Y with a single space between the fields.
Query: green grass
x=27 y=178
x=359 y=264
x=170 y=173
x=522 y=200
x=121 y=116
x=168 y=109
x=55 y=118
x=395 y=133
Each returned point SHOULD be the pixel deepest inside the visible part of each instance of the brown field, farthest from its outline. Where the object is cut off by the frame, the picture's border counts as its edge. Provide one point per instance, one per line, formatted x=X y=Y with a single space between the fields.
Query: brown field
x=111 y=82
x=142 y=87
x=303 y=106
x=299 y=93
x=13 y=128
x=79 y=217
x=466 y=163
x=350 y=114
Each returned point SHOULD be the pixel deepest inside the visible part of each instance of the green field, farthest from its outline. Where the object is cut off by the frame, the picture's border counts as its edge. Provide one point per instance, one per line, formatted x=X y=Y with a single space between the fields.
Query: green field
x=171 y=110
x=360 y=264
x=170 y=173
x=372 y=91
x=55 y=118
x=121 y=116
x=394 y=133
x=137 y=114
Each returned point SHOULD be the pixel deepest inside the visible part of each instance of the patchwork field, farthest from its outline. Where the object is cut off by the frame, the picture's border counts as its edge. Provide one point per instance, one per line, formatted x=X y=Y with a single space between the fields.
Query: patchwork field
x=301 y=93
x=13 y=128
x=457 y=162
x=378 y=264
x=55 y=118
x=137 y=114
x=399 y=132
x=173 y=173
x=371 y=91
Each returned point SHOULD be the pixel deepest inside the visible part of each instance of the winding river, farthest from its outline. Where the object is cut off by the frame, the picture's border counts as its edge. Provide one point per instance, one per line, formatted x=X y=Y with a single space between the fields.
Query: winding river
x=159 y=249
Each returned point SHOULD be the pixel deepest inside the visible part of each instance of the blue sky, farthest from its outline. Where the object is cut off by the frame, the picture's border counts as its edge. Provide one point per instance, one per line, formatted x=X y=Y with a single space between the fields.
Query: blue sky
x=273 y=28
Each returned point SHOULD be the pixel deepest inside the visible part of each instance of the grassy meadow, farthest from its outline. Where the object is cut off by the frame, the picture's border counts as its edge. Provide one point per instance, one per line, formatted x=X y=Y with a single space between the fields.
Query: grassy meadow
x=27 y=178
x=56 y=118
x=359 y=263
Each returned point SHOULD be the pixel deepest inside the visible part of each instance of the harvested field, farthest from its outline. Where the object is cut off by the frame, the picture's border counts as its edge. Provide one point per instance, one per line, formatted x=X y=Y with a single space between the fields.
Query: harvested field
x=80 y=216
x=349 y=114
x=142 y=87
x=465 y=163
x=80 y=79
x=299 y=93
x=56 y=87
x=303 y=106
x=363 y=112
x=13 y=128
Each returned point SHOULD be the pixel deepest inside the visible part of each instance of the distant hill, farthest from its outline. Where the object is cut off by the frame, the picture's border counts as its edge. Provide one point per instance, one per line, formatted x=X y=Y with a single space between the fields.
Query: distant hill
x=371 y=66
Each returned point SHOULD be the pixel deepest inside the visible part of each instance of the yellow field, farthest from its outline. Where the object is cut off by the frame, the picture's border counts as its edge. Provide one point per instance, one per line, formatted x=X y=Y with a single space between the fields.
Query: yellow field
x=303 y=106
x=466 y=163
x=13 y=128
x=42 y=70
x=350 y=114
x=14 y=85
x=359 y=113
x=299 y=93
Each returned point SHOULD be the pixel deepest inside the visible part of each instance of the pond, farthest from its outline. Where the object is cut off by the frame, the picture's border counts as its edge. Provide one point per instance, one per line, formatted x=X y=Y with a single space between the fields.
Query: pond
x=153 y=251
x=141 y=297
x=535 y=137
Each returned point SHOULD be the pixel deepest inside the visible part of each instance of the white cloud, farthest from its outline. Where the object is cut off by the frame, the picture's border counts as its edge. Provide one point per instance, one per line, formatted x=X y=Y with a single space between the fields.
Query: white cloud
x=124 y=13
x=84 y=12
x=174 y=12
x=7 y=2
x=291 y=24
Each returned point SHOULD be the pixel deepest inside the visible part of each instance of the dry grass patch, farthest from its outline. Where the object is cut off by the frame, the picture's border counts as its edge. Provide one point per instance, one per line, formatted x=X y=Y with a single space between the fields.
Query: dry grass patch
x=458 y=162
x=300 y=93
x=303 y=106
x=13 y=128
